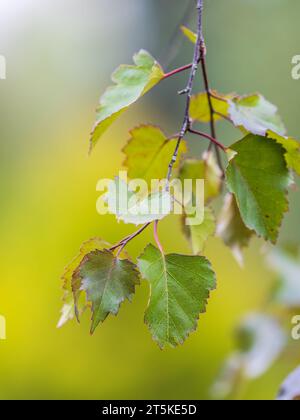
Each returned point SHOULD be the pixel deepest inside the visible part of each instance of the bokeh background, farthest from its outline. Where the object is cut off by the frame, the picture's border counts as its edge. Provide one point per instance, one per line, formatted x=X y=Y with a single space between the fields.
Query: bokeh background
x=60 y=55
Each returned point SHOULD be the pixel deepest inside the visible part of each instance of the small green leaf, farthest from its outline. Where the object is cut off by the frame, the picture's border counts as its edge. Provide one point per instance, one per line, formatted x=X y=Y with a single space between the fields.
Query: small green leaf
x=259 y=178
x=255 y=114
x=131 y=82
x=200 y=111
x=137 y=208
x=180 y=286
x=198 y=234
x=108 y=281
x=67 y=311
x=232 y=229
x=148 y=153
x=292 y=148
x=206 y=169
x=190 y=35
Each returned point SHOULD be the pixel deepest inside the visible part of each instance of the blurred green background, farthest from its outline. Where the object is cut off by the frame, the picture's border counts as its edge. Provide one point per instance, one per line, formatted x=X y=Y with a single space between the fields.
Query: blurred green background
x=60 y=55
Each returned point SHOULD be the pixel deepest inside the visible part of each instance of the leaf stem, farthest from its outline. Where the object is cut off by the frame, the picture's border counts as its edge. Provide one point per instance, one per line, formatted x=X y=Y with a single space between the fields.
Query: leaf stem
x=207 y=136
x=158 y=243
x=210 y=104
x=127 y=239
x=188 y=91
x=223 y=116
x=176 y=71
x=199 y=57
x=219 y=98
x=207 y=89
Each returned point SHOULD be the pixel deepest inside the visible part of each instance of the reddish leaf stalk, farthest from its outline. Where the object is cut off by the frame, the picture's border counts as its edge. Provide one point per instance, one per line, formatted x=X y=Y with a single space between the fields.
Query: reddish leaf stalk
x=126 y=240
x=207 y=136
x=176 y=71
x=156 y=237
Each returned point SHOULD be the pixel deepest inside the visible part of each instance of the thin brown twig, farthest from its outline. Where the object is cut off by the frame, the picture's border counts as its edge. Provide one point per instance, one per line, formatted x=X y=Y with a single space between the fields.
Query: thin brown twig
x=210 y=104
x=199 y=56
x=178 y=70
x=219 y=98
x=127 y=239
x=207 y=136
x=188 y=90
x=223 y=116
x=207 y=89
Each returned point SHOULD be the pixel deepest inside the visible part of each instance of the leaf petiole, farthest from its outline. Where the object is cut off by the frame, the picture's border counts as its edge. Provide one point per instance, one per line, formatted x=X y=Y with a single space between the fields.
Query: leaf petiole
x=207 y=136
x=156 y=237
x=177 y=71
x=128 y=238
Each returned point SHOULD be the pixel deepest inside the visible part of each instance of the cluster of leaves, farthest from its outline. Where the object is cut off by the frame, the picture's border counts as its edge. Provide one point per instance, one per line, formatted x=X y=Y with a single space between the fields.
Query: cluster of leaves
x=259 y=172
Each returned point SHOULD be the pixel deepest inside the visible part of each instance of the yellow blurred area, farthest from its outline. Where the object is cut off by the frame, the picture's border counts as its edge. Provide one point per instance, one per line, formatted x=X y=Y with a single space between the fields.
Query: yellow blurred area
x=48 y=205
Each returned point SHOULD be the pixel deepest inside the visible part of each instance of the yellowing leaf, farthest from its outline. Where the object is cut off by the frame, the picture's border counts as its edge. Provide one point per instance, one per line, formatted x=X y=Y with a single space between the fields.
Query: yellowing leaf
x=206 y=169
x=180 y=286
x=200 y=111
x=67 y=312
x=232 y=229
x=198 y=234
x=292 y=148
x=255 y=114
x=259 y=178
x=148 y=153
x=191 y=36
x=108 y=281
x=131 y=82
x=86 y=248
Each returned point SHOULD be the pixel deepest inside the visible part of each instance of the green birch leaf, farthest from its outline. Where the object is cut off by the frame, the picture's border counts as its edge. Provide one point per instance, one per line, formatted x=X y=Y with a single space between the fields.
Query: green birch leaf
x=137 y=208
x=198 y=234
x=206 y=169
x=232 y=229
x=131 y=83
x=259 y=178
x=292 y=148
x=148 y=153
x=199 y=108
x=255 y=114
x=180 y=287
x=108 y=281
x=190 y=35
x=68 y=309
